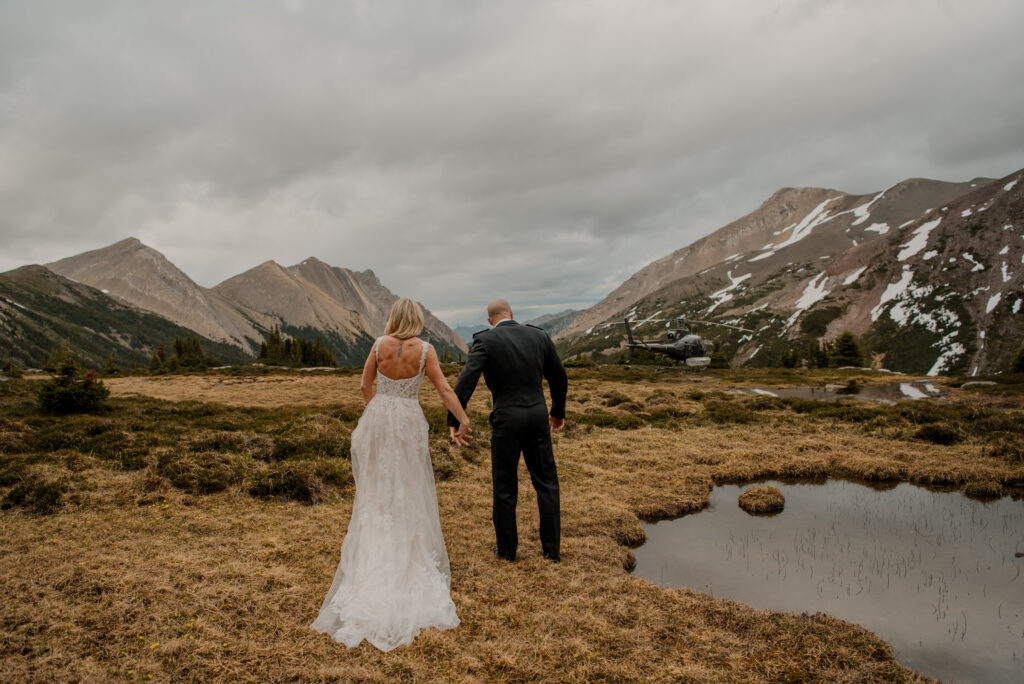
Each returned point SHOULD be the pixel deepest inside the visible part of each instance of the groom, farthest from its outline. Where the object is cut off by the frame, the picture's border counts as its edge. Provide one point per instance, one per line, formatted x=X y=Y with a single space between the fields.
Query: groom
x=515 y=359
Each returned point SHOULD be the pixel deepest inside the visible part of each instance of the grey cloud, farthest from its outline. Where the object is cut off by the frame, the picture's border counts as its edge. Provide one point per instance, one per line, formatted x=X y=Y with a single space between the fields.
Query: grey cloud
x=540 y=150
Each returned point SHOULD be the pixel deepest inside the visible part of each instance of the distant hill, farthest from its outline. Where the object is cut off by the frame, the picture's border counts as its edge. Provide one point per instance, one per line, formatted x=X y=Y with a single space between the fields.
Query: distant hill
x=466 y=332
x=927 y=273
x=39 y=309
x=552 y=323
x=132 y=272
x=348 y=309
x=556 y=322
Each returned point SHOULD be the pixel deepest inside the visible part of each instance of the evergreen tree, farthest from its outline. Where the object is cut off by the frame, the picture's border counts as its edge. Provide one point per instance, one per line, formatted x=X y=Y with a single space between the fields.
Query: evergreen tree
x=111 y=368
x=65 y=393
x=1017 y=366
x=719 y=358
x=294 y=351
x=187 y=352
x=158 y=359
x=846 y=351
x=11 y=369
x=789 y=358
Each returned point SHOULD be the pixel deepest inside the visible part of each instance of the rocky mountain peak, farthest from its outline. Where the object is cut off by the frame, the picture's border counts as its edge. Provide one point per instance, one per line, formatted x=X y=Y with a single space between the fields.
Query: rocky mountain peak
x=928 y=272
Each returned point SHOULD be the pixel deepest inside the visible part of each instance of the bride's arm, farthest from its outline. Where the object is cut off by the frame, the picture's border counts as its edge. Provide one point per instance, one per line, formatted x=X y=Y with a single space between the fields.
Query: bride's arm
x=369 y=374
x=447 y=394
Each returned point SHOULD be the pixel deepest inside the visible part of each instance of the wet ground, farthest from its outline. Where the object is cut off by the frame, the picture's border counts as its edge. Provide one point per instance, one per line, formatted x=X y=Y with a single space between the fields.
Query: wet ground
x=933 y=573
x=887 y=393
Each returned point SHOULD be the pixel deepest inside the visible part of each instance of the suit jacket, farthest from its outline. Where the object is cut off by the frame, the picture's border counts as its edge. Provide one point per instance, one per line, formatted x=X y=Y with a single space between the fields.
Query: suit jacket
x=514 y=359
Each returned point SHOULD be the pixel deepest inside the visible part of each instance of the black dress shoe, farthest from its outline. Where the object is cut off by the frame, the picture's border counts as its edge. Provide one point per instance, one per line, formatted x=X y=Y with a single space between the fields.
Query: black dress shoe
x=504 y=558
x=553 y=559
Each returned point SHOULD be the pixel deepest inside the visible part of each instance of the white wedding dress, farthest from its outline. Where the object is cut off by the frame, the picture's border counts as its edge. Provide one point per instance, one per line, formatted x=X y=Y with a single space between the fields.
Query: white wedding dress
x=394 y=577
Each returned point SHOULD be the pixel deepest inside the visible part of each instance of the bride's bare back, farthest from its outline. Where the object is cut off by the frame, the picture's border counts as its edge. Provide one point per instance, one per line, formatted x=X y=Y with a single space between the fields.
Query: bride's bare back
x=399 y=359
x=385 y=359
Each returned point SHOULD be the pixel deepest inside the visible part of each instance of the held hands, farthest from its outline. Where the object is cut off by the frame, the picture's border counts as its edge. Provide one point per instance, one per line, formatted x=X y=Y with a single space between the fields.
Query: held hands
x=462 y=435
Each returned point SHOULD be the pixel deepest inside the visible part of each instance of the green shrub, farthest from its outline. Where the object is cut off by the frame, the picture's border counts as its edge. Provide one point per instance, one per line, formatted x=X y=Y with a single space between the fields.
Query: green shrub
x=729 y=412
x=660 y=397
x=334 y=471
x=12 y=470
x=65 y=393
x=615 y=398
x=619 y=421
x=290 y=481
x=983 y=490
x=36 y=494
x=763 y=402
x=197 y=473
x=317 y=446
x=938 y=433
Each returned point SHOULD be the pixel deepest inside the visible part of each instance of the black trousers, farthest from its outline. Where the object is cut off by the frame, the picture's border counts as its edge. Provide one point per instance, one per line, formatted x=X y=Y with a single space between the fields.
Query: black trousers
x=524 y=430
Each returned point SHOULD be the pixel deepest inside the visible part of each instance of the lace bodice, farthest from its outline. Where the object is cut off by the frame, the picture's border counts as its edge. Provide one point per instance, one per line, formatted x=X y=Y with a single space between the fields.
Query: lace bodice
x=406 y=388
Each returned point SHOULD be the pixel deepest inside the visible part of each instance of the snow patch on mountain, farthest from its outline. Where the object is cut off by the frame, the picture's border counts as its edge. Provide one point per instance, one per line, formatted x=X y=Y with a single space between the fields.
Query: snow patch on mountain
x=970 y=257
x=862 y=212
x=817 y=216
x=726 y=293
x=880 y=228
x=892 y=291
x=918 y=241
x=852 y=278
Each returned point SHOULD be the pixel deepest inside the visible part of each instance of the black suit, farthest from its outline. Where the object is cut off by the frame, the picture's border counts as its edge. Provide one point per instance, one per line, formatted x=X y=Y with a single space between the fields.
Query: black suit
x=514 y=360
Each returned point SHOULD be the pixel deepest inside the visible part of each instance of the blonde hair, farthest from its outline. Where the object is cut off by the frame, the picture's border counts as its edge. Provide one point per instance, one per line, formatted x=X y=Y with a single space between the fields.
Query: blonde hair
x=406 y=319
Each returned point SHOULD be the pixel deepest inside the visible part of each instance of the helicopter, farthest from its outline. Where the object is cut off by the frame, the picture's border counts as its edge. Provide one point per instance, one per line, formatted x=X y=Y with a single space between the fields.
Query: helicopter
x=680 y=344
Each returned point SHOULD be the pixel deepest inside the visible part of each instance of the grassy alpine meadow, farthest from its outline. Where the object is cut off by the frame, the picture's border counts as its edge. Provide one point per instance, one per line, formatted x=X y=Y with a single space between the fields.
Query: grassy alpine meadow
x=189 y=530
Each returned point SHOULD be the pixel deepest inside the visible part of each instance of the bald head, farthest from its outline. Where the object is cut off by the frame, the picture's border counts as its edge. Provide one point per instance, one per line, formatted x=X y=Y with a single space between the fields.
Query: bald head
x=498 y=310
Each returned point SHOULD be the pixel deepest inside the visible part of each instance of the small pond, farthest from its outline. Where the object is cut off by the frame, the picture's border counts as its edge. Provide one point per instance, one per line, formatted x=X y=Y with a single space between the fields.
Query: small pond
x=886 y=393
x=933 y=573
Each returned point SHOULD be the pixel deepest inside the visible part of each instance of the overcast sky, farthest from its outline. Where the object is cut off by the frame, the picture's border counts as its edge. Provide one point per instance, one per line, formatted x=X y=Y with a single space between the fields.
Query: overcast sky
x=541 y=151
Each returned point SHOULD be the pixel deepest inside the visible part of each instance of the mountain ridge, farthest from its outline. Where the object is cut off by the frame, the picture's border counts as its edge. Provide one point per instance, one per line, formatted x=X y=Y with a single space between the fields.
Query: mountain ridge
x=349 y=308
x=832 y=261
x=39 y=309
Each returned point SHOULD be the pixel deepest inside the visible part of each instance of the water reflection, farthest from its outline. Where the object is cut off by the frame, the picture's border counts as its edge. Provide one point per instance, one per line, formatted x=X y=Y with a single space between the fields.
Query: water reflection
x=932 y=573
x=887 y=393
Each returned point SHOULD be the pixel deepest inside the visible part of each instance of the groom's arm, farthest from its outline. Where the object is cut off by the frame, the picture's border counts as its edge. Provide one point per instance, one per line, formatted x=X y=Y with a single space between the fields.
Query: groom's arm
x=470 y=375
x=558 y=382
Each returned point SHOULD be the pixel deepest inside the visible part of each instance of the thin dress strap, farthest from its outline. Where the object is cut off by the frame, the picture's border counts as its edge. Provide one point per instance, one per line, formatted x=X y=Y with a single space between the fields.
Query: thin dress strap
x=423 y=354
x=376 y=350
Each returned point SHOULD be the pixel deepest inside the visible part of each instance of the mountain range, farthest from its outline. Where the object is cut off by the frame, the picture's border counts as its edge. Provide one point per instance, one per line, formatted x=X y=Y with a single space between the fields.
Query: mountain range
x=349 y=309
x=927 y=273
x=551 y=323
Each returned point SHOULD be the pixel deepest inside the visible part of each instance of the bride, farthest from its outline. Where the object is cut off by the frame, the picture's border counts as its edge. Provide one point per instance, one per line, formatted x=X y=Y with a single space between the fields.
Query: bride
x=394 y=577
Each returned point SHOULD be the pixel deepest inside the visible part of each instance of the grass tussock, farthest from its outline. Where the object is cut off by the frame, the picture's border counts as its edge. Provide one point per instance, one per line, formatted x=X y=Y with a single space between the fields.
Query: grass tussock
x=766 y=499
x=198 y=519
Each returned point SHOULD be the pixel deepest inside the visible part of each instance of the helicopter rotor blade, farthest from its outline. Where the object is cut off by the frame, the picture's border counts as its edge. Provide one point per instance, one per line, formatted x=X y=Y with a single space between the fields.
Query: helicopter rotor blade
x=724 y=325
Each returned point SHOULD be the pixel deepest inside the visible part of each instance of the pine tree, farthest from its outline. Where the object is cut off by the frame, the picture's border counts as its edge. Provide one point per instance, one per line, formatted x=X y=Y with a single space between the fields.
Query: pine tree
x=65 y=393
x=158 y=360
x=1017 y=366
x=846 y=350
x=719 y=358
x=111 y=368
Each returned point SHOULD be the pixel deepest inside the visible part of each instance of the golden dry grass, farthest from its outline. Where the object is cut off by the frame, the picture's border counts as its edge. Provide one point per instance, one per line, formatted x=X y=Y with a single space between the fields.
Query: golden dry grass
x=762 y=499
x=223 y=587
